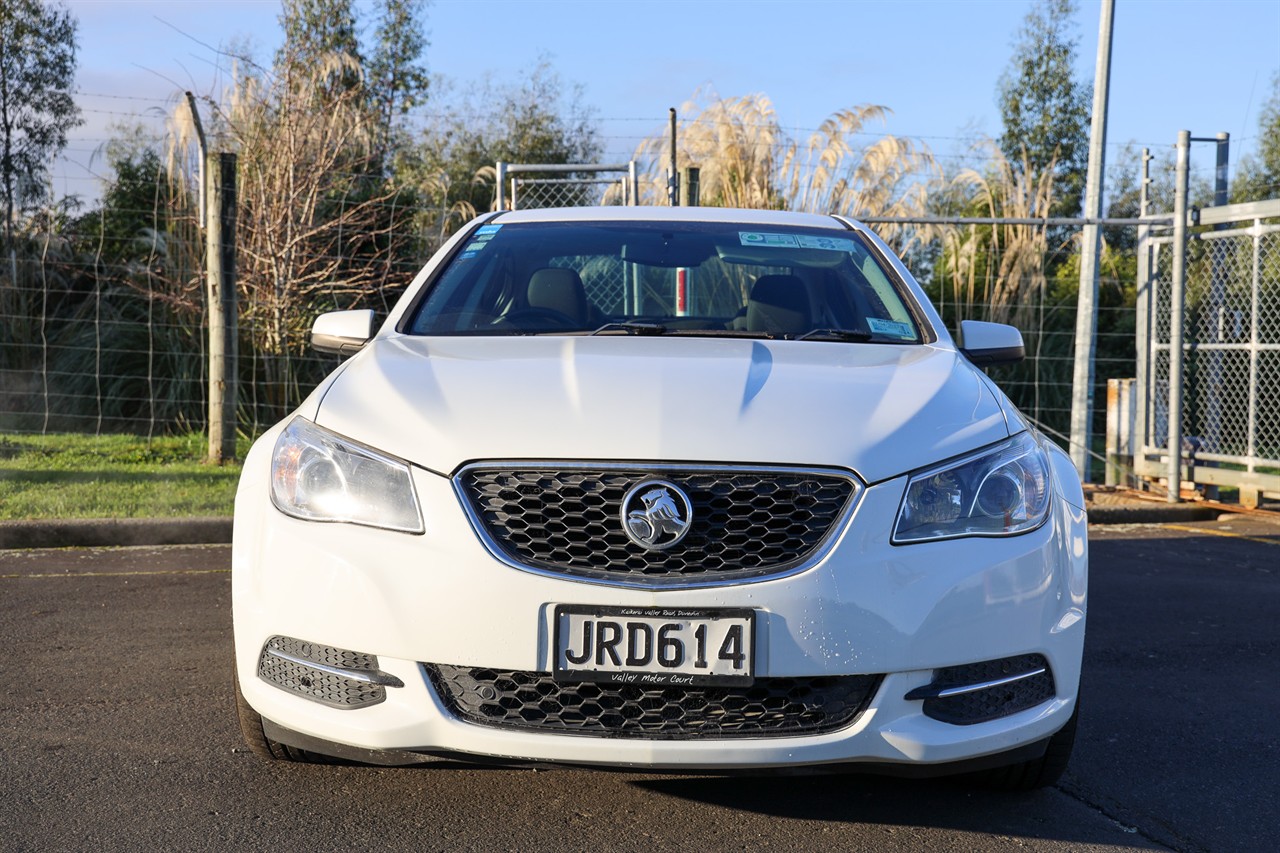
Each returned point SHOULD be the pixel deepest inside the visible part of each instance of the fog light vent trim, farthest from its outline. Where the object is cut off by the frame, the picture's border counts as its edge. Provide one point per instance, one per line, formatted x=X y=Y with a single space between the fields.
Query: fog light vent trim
x=335 y=677
x=981 y=692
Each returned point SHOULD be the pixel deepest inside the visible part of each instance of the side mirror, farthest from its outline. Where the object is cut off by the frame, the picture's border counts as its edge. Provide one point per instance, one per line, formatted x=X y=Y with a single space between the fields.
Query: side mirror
x=342 y=332
x=989 y=344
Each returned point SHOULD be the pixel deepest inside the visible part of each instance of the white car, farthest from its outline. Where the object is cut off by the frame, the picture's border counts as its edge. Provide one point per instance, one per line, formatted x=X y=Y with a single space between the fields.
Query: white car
x=666 y=489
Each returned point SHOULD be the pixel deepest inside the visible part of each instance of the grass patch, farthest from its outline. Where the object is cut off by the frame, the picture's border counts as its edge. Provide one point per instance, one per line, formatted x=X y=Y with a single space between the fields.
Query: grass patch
x=112 y=476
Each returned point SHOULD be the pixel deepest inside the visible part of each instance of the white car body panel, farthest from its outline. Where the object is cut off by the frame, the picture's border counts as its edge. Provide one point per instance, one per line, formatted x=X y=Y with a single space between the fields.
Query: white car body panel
x=877 y=410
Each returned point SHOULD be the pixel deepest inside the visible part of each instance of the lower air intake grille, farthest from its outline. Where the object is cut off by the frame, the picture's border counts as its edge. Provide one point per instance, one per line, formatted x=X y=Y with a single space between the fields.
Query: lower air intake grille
x=283 y=664
x=771 y=707
x=994 y=702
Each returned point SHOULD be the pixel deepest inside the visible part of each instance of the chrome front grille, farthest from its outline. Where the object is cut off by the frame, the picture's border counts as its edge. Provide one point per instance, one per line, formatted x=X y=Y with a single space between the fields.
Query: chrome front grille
x=746 y=522
x=533 y=701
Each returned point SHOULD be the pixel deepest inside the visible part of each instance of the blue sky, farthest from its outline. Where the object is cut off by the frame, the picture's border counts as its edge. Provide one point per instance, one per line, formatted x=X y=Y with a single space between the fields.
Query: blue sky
x=1202 y=65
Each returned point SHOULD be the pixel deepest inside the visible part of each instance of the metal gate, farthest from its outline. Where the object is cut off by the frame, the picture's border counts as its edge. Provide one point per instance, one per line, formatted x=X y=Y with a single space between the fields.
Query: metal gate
x=534 y=185
x=1229 y=375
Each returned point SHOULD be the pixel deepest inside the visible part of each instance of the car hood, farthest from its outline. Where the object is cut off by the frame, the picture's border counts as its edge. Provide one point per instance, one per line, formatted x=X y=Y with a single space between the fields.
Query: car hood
x=878 y=410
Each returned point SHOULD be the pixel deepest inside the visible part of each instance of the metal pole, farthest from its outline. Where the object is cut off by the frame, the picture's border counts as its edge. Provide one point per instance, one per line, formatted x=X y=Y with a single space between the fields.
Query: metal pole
x=1220 y=172
x=500 y=189
x=1143 y=320
x=689 y=187
x=634 y=193
x=199 y=128
x=1177 y=301
x=1090 y=247
x=1218 y=313
x=673 y=183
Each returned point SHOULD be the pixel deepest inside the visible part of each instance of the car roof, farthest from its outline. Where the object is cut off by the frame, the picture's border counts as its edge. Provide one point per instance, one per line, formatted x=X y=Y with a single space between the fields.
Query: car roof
x=671 y=214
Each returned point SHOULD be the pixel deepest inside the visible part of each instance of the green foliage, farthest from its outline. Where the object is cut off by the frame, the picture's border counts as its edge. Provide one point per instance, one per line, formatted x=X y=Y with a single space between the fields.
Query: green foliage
x=538 y=120
x=37 y=75
x=1043 y=108
x=1258 y=178
x=313 y=31
x=115 y=476
x=396 y=78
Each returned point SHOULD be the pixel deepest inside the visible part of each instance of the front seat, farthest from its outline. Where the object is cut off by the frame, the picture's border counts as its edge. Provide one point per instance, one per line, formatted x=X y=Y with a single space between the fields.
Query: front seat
x=779 y=304
x=560 y=290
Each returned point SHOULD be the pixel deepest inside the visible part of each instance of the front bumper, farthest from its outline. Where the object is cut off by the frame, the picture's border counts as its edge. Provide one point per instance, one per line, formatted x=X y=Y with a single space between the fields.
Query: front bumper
x=901 y=612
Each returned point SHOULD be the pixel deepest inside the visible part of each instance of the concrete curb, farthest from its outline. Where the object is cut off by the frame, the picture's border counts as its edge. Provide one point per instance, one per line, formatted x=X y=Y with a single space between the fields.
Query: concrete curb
x=97 y=532
x=1154 y=513
x=216 y=530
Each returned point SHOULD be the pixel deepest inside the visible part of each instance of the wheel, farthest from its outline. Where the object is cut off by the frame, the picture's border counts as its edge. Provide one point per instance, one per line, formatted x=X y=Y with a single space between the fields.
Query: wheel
x=264 y=747
x=1039 y=772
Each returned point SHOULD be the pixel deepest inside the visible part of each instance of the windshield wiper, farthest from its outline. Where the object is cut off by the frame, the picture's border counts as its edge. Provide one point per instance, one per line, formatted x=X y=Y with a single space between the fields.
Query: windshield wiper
x=852 y=335
x=633 y=327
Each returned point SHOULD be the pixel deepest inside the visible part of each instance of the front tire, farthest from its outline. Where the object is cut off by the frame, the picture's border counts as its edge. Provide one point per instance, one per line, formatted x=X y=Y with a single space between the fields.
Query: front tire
x=264 y=747
x=1038 y=772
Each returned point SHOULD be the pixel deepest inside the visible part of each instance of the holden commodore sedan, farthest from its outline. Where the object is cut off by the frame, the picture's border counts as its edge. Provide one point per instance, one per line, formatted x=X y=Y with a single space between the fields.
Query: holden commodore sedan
x=665 y=489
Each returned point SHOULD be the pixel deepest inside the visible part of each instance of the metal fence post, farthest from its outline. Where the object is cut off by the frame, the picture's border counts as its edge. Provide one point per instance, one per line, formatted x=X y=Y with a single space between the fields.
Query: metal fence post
x=1177 y=303
x=1142 y=320
x=689 y=187
x=1090 y=247
x=500 y=189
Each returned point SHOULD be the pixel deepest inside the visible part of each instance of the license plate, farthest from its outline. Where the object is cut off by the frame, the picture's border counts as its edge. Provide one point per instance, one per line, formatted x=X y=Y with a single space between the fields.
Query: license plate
x=654 y=647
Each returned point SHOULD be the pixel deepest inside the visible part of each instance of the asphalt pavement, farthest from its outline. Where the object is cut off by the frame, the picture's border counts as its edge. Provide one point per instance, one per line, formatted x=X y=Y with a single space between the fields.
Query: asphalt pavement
x=120 y=733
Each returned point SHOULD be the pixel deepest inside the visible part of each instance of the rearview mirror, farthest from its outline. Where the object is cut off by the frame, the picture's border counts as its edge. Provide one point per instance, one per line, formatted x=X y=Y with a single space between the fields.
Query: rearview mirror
x=342 y=332
x=989 y=344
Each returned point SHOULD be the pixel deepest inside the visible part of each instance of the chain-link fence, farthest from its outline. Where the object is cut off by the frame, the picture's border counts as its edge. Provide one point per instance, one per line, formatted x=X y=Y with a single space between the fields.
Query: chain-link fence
x=104 y=334
x=92 y=346
x=1230 y=412
x=524 y=186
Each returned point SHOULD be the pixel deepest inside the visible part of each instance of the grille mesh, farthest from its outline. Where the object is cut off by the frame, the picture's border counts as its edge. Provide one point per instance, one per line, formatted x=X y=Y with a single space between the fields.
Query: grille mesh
x=771 y=707
x=745 y=523
x=979 y=706
x=316 y=684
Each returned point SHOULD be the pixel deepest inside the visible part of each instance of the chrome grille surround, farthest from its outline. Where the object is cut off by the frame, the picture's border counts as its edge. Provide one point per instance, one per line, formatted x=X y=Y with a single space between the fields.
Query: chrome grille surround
x=534 y=701
x=749 y=522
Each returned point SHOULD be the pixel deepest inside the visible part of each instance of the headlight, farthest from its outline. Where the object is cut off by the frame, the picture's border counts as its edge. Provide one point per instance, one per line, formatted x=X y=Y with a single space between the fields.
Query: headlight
x=1000 y=492
x=319 y=476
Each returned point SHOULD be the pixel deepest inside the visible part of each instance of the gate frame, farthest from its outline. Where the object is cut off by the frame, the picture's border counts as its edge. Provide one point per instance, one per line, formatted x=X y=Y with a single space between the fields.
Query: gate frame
x=629 y=184
x=1197 y=467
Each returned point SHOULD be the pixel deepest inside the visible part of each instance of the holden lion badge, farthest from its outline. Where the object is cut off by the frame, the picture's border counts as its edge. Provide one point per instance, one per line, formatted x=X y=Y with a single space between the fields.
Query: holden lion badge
x=656 y=514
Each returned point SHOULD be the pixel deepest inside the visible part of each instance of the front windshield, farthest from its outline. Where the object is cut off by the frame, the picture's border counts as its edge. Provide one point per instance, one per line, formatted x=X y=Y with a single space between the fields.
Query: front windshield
x=666 y=278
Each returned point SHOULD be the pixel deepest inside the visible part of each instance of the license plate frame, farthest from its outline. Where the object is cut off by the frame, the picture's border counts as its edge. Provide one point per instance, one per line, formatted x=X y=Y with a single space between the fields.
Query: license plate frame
x=722 y=653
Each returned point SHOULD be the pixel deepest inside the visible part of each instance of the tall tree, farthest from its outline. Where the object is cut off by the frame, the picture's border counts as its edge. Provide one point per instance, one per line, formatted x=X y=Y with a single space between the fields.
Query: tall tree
x=313 y=29
x=396 y=77
x=538 y=120
x=1044 y=109
x=1259 y=176
x=37 y=72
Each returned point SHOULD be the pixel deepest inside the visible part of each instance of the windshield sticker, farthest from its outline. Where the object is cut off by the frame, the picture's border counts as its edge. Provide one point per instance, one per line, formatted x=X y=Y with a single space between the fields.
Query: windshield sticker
x=487 y=229
x=800 y=241
x=472 y=248
x=755 y=238
x=466 y=256
x=831 y=244
x=890 y=327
